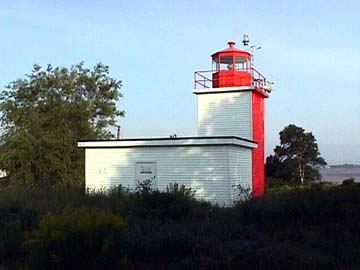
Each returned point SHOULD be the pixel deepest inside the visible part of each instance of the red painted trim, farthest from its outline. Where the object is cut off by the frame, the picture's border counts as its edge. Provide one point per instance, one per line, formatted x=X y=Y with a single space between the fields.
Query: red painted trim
x=262 y=92
x=258 y=154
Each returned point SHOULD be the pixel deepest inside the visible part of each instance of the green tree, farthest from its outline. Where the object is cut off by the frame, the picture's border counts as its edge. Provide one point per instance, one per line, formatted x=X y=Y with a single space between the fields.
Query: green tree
x=297 y=158
x=44 y=115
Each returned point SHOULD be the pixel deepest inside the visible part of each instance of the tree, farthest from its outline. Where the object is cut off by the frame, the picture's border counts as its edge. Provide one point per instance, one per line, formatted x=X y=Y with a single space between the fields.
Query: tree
x=44 y=115
x=297 y=158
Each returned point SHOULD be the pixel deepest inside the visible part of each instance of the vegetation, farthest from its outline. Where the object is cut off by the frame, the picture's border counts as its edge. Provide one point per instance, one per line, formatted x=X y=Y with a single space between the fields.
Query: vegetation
x=77 y=238
x=306 y=227
x=43 y=117
x=297 y=159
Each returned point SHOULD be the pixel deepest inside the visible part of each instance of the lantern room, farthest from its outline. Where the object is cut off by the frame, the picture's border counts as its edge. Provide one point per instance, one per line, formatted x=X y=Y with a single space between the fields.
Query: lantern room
x=231 y=67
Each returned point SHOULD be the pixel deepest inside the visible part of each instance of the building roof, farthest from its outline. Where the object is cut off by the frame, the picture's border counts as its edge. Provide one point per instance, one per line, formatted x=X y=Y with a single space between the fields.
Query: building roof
x=169 y=142
x=232 y=50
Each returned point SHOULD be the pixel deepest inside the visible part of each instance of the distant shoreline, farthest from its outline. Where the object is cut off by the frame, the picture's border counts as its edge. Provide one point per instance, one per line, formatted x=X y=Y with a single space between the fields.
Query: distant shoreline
x=338 y=173
x=345 y=166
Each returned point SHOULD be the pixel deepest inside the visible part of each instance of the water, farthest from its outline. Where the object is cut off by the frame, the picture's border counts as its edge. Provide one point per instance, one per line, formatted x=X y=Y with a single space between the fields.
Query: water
x=337 y=175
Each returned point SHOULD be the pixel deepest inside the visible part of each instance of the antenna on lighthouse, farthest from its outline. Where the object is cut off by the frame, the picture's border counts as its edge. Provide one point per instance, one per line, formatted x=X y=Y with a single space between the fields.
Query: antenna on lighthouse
x=253 y=48
x=246 y=41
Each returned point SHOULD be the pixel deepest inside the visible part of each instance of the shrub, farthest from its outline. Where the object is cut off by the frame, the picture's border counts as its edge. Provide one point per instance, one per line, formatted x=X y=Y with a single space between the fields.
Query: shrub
x=349 y=182
x=297 y=227
x=11 y=240
x=244 y=194
x=144 y=187
x=176 y=189
x=161 y=244
x=78 y=238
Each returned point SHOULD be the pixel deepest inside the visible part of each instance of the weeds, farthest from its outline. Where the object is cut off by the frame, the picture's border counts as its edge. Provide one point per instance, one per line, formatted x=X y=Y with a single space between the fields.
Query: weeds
x=291 y=228
x=244 y=194
x=175 y=188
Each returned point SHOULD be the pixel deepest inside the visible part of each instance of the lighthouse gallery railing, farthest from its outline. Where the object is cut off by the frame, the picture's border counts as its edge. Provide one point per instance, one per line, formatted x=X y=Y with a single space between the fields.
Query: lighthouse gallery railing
x=204 y=79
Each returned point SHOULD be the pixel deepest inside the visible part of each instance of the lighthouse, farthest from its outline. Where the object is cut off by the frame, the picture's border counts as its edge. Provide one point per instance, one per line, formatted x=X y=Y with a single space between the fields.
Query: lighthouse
x=227 y=153
x=231 y=102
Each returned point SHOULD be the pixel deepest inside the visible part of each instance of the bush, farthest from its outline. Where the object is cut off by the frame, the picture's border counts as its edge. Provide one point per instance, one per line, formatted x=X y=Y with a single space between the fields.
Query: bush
x=144 y=187
x=176 y=203
x=181 y=190
x=164 y=243
x=11 y=240
x=349 y=182
x=298 y=227
x=78 y=238
x=244 y=194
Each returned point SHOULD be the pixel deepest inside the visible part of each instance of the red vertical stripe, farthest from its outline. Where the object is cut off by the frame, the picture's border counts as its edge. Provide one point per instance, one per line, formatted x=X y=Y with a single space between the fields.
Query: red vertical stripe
x=258 y=154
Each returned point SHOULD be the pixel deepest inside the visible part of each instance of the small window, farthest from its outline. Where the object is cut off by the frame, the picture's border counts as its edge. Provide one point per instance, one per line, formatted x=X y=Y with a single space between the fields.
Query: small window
x=215 y=65
x=241 y=63
x=226 y=63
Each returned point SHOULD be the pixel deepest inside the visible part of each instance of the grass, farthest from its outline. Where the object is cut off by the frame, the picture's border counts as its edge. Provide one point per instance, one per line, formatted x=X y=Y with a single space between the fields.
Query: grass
x=313 y=227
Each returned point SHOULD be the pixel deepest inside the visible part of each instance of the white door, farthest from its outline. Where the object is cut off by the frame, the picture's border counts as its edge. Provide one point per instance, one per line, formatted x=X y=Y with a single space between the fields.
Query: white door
x=145 y=171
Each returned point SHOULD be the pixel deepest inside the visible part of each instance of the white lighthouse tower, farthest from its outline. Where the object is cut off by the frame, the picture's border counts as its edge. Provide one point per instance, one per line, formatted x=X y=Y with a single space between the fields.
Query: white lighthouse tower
x=231 y=103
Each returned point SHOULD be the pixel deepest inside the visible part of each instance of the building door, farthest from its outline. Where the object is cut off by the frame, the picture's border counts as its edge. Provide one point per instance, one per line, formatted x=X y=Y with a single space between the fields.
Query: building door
x=145 y=170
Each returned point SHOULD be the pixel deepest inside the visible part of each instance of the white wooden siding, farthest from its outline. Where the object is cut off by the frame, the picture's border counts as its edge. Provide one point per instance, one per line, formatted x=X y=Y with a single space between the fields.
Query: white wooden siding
x=225 y=114
x=203 y=168
x=240 y=170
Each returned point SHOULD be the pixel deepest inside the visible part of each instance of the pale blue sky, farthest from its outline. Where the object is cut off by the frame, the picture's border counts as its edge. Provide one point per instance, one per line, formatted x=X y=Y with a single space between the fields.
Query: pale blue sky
x=310 y=49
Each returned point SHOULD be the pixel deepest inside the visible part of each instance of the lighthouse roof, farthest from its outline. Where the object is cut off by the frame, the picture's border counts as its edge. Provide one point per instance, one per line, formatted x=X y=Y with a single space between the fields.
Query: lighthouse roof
x=231 y=49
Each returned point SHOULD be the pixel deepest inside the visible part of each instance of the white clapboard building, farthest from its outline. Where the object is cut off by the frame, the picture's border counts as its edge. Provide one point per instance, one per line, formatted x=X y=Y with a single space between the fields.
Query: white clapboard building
x=228 y=151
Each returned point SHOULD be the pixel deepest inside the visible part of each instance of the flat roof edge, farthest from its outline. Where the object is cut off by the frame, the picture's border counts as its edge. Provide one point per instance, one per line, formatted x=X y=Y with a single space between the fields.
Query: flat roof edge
x=168 y=142
x=172 y=139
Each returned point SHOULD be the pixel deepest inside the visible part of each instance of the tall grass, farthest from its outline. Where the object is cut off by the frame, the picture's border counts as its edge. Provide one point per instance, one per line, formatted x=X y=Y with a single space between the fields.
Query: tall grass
x=313 y=227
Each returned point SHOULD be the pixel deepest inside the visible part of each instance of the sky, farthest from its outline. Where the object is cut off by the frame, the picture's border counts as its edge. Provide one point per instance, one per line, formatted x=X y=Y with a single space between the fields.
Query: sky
x=310 y=50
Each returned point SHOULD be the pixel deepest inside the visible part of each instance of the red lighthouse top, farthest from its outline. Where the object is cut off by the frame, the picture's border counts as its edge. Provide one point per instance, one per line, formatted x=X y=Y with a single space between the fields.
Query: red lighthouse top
x=231 y=67
x=232 y=51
